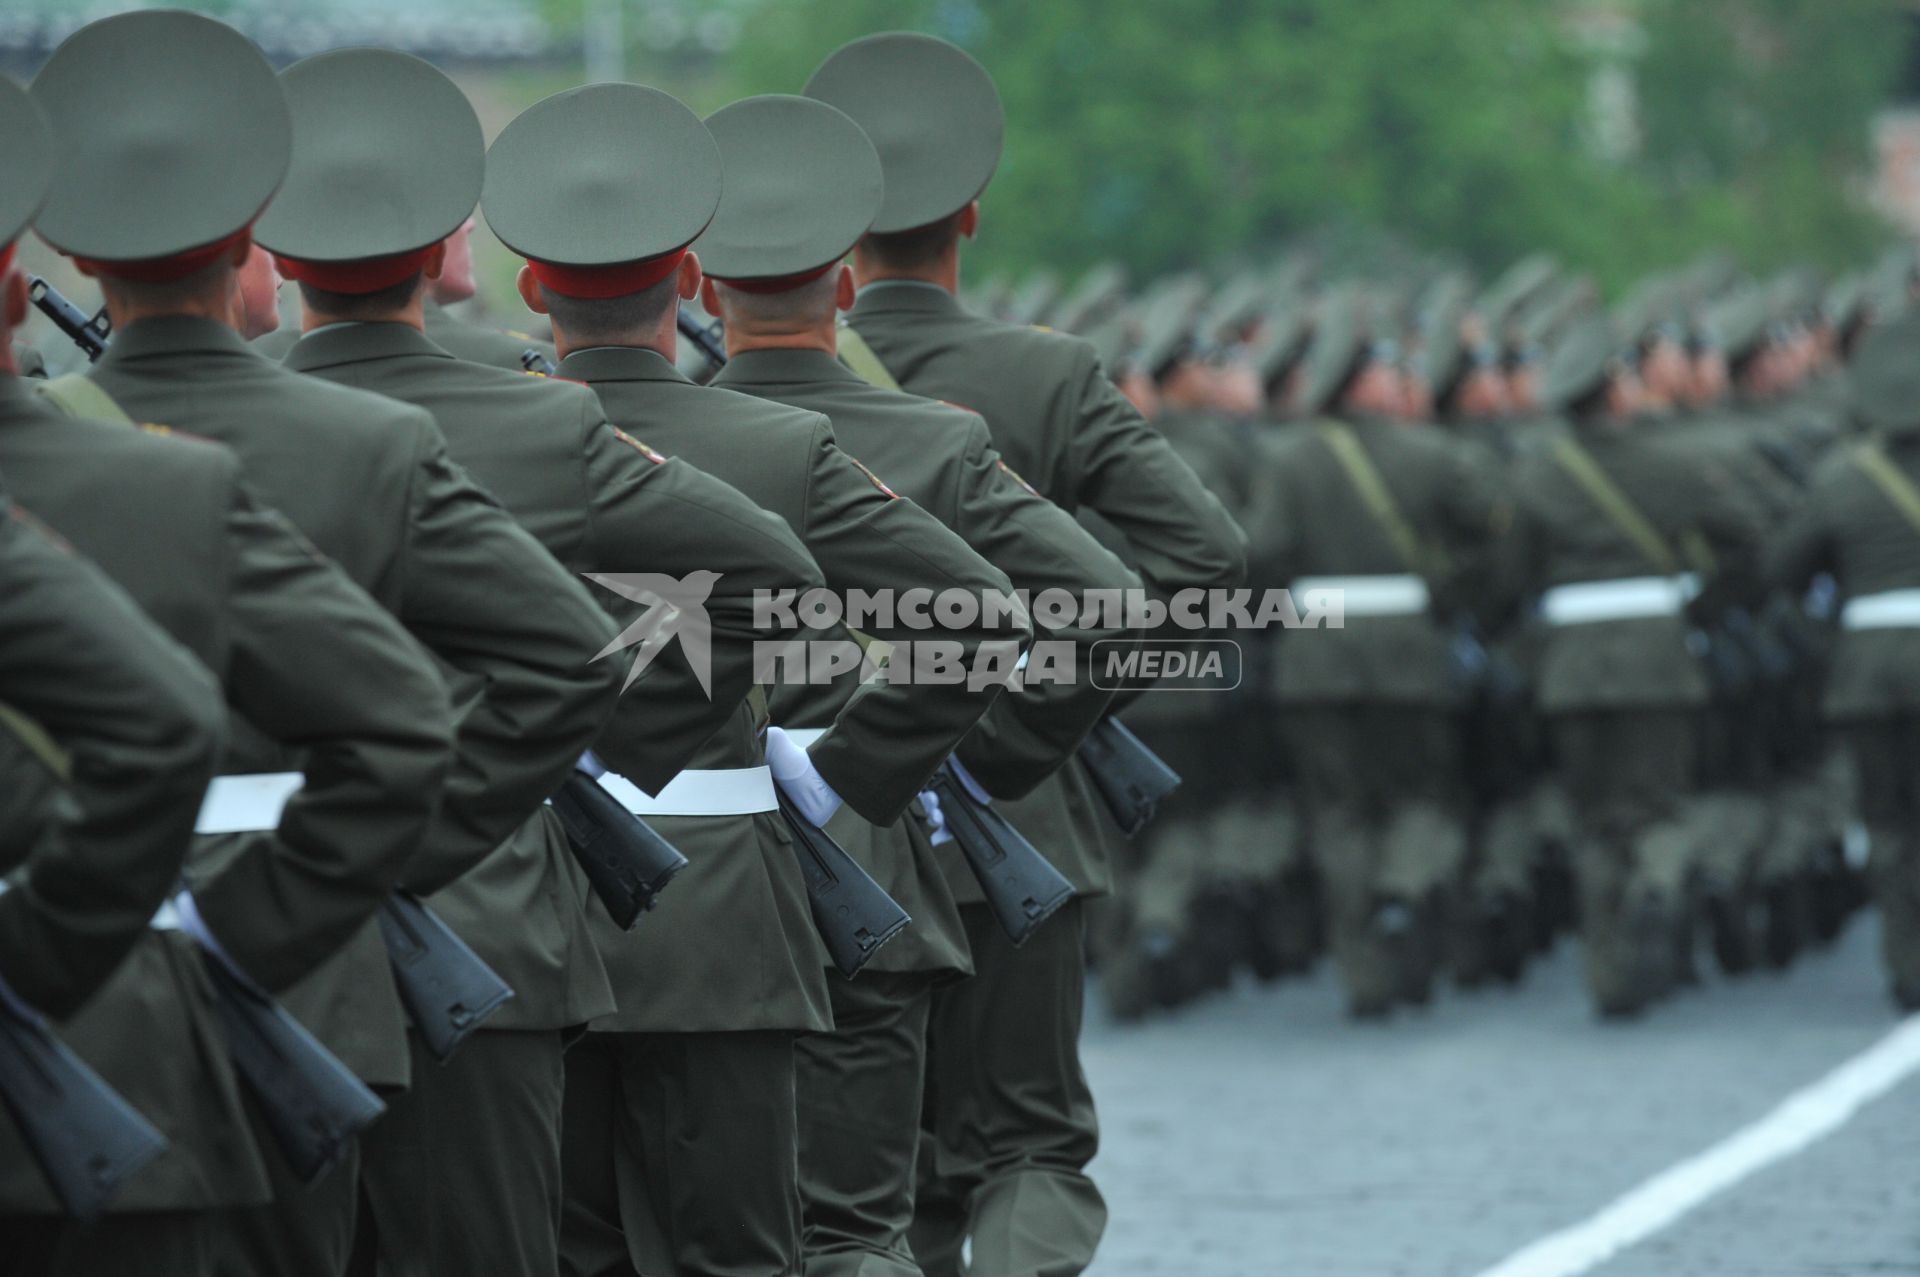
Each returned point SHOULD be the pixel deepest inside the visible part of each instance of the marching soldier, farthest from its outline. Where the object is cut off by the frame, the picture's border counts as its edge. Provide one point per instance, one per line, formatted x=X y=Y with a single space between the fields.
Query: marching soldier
x=772 y=258
x=369 y=480
x=1387 y=517
x=1007 y=1174
x=680 y=1133
x=463 y=1174
x=1861 y=522
x=317 y=677
x=1614 y=520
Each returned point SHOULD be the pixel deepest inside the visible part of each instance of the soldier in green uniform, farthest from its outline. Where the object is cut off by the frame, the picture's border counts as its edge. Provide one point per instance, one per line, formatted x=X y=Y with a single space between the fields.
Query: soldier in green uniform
x=1011 y=1120
x=1861 y=523
x=131 y=726
x=802 y=184
x=680 y=1135
x=368 y=480
x=1388 y=520
x=317 y=677
x=1609 y=516
x=463 y=1173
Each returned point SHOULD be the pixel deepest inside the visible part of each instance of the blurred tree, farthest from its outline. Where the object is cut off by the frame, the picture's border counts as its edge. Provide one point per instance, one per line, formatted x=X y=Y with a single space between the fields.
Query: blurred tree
x=1177 y=135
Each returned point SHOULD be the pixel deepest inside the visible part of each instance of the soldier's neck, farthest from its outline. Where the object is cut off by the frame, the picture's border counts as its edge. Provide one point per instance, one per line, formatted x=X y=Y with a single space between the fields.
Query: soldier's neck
x=943 y=272
x=413 y=315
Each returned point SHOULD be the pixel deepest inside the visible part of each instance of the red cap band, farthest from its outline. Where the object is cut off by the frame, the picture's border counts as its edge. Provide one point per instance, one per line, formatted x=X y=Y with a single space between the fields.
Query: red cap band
x=596 y=283
x=363 y=275
x=779 y=283
x=6 y=256
x=164 y=270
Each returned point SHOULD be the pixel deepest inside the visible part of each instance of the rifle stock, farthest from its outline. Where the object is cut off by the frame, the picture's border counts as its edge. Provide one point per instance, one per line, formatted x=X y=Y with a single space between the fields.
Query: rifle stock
x=446 y=987
x=1132 y=779
x=853 y=914
x=627 y=863
x=1022 y=887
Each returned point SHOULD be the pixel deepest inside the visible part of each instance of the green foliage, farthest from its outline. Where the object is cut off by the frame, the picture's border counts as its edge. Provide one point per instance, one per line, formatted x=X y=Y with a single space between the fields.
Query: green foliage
x=1172 y=135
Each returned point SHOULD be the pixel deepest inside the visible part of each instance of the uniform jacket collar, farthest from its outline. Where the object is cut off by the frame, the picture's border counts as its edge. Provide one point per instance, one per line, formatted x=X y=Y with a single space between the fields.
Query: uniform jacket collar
x=340 y=344
x=618 y=363
x=890 y=296
x=169 y=335
x=783 y=367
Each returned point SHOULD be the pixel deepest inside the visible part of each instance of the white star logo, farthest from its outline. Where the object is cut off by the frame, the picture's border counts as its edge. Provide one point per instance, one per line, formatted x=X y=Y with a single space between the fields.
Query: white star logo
x=674 y=605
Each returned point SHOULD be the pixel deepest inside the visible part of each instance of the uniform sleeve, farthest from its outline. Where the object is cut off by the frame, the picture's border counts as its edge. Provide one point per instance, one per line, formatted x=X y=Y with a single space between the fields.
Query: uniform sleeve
x=517 y=634
x=891 y=735
x=317 y=666
x=1180 y=535
x=1036 y=726
x=137 y=723
x=650 y=514
x=1804 y=545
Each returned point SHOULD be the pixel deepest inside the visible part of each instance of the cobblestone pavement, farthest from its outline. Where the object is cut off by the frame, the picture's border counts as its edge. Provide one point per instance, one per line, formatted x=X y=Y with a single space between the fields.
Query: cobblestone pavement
x=1261 y=1133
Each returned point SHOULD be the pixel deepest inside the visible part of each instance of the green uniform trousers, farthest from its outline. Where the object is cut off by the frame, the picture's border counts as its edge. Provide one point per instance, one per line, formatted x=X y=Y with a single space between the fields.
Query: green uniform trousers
x=462 y=1175
x=1629 y=774
x=1380 y=783
x=681 y=1156
x=1009 y=1125
x=858 y=1093
x=306 y=1231
x=1886 y=760
x=151 y=1244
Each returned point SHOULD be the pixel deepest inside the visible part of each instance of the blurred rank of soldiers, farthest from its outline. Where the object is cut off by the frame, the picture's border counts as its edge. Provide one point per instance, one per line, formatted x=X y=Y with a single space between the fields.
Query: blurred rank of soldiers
x=368 y=479
x=680 y=1136
x=341 y=727
x=1384 y=518
x=1010 y=1124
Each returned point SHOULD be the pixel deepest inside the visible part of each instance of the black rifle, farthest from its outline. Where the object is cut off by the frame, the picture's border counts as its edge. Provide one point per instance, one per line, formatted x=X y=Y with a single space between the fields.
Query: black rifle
x=1022 y=887
x=626 y=861
x=311 y=1102
x=89 y=334
x=86 y=1137
x=1132 y=779
x=446 y=987
x=536 y=361
x=853 y=914
x=706 y=338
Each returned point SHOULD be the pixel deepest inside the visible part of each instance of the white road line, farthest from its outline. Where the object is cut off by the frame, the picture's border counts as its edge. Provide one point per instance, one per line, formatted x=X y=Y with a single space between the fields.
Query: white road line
x=1803 y=1118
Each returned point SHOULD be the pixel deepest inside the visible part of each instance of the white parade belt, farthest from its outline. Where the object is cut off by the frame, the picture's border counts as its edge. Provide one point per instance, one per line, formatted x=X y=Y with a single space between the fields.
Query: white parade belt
x=1623 y=599
x=246 y=804
x=728 y=791
x=1888 y=610
x=1397 y=594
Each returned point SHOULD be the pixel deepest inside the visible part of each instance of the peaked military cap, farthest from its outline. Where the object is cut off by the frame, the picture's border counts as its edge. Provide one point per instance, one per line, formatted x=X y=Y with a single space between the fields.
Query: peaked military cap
x=1283 y=338
x=801 y=186
x=26 y=156
x=1739 y=324
x=388 y=158
x=1339 y=338
x=1886 y=374
x=1099 y=292
x=172 y=133
x=1035 y=301
x=1581 y=362
x=602 y=188
x=1441 y=343
x=933 y=115
x=1167 y=328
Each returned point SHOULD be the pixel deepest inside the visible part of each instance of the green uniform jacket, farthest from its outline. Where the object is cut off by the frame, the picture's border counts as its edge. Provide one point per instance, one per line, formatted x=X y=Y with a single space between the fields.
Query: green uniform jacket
x=370 y=481
x=137 y=725
x=884 y=744
x=1062 y=426
x=476 y=343
x=1850 y=527
x=943 y=459
x=599 y=502
x=1642 y=662
x=316 y=675
x=1311 y=521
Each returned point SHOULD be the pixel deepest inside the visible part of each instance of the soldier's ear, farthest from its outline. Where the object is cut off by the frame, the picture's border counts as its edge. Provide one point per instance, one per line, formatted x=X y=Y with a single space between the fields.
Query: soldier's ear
x=709 y=297
x=690 y=276
x=529 y=290
x=15 y=299
x=436 y=261
x=970 y=220
x=843 y=289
